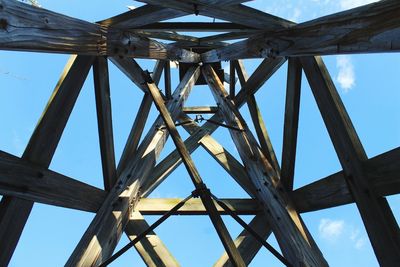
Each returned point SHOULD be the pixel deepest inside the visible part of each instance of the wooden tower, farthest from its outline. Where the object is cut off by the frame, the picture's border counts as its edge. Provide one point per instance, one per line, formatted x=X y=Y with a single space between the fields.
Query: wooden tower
x=374 y=28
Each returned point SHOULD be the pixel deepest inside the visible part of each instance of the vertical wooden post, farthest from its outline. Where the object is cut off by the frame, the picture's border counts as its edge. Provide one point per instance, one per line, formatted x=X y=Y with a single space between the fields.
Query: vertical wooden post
x=167 y=79
x=292 y=108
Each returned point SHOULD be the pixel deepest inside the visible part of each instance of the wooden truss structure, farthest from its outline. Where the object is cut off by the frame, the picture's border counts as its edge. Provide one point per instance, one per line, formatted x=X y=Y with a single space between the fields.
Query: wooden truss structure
x=121 y=205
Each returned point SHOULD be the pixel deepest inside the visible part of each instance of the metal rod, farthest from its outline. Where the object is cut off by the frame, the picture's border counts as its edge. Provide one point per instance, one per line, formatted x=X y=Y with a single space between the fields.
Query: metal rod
x=251 y=231
x=144 y=233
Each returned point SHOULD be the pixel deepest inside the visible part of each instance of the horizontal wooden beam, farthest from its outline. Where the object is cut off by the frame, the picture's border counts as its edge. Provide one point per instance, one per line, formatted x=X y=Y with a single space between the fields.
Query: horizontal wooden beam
x=383 y=172
x=27 y=28
x=200 y=110
x=368 y=29
x=196 y=27
x=22 y=179
x=158 y=206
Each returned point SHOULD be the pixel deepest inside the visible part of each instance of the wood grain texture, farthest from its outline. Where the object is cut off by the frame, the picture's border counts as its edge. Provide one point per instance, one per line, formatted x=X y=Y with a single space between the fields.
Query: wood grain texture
x=104 y=121
x=284 y=220
x=291 y=121
x=23 y=179
x=28 y=28
x=367 y=29
x=378 y=219
x=158 y=206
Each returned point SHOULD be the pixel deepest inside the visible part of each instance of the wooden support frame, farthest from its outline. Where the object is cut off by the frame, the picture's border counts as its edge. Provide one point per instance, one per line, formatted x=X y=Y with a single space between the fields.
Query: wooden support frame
x=264 y=178
x=366 y=182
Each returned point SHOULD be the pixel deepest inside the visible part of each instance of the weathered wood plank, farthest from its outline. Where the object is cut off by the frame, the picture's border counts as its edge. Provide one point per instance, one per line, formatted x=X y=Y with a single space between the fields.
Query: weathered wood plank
x=197 y=27
x=41 y=148
x=200 y=110
x=167 y=80
x=104 y=121
x=256 y=116
x=236 y=13
x=158 y=206
x=367 y=29
x=292 y=108
x=375 y=212
x=29 y=28
x=232 y=80
x=201 y=188
x=23 y=179
x=284 y=220
x=103 y=234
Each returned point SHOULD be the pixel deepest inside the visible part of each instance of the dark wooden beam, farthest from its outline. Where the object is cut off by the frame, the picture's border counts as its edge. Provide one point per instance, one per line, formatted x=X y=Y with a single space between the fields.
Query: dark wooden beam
x=256 y=117
x=23 y=179
x=292 y=237
x=292 y=108
x=159 y=206
x=41 y=148
x=367 y=29
x=378 y=219
x=196 y=27
x=167 y=80
x=29 y=28
x=103 y=234
x=141 y=16
x=236 y=13
x=104 y=121
x=201 y=188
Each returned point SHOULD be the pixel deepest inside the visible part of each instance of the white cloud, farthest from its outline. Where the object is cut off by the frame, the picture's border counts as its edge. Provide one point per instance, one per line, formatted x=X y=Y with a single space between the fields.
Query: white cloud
x=330 y=229
x=346 y=75
x=347 y=4
x=296 y=14
x=358 y=240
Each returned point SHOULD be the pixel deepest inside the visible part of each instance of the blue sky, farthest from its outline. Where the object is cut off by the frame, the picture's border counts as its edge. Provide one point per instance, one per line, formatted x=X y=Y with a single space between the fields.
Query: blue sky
x=368 y=85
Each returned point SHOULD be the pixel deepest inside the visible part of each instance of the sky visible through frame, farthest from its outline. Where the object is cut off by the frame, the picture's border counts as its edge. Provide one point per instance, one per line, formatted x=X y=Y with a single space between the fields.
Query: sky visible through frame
x=368 y=85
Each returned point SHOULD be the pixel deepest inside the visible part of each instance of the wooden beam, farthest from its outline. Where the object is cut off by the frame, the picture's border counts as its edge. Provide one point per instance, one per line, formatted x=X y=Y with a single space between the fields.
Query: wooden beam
x=167 y=80
x=256 y=117
x=372 y=28
x=276 y=203
x=23 y=179
x=29 y=28
x=378 y=219
x=141 y=117
x=104 y=121
x=201 y=188
x=103 y=234
x=200 y=110
x=196 y=27
x=292 y=108
x=158 y=206
x=232 y=80
x=41 y=148
x=236 y=13
x=142 y=16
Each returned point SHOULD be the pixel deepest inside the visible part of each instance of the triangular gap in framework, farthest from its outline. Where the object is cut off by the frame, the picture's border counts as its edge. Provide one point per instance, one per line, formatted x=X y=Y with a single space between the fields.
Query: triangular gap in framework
x=126 y=99
x=394 y=202
x=315 y=155
x=24 y=95
x=264 y=255
x=189 y=237
x=46 y=232
x=78 y=152
x=129 y=258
